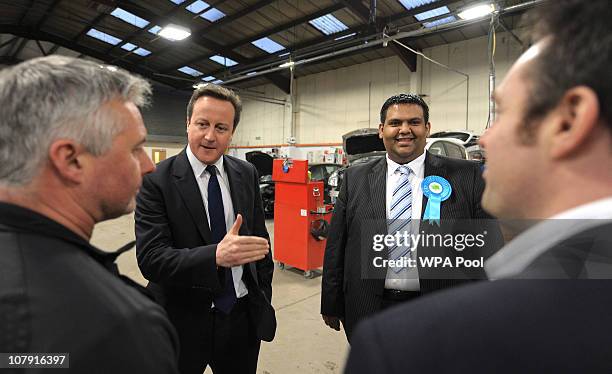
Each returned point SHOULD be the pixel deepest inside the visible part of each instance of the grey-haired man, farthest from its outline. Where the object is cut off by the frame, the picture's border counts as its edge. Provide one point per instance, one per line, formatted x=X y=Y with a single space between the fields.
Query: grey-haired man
x=71 y=155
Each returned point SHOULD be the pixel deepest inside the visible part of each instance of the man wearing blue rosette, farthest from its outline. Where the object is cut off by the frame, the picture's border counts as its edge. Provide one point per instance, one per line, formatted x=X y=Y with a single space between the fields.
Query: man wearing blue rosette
x=388 y=196
x=548 y=159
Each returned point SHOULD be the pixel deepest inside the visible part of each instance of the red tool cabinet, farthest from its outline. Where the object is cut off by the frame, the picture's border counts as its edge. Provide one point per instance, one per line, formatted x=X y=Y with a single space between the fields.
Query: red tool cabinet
x=297 y=203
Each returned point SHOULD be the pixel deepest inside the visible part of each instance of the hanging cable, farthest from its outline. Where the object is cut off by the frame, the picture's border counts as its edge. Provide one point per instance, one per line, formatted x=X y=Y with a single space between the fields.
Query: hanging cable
x=467 y=77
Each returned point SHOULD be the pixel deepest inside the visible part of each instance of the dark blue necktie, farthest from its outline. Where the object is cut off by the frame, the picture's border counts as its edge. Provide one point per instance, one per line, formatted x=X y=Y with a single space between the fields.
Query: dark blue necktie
x=225 y=300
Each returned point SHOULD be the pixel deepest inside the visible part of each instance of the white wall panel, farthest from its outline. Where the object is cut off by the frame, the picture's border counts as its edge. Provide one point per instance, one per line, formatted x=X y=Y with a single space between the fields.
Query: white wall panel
x=334 y=102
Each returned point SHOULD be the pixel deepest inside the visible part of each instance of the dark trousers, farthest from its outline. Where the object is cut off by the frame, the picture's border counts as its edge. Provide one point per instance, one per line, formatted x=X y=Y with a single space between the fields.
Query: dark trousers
x=228 y=344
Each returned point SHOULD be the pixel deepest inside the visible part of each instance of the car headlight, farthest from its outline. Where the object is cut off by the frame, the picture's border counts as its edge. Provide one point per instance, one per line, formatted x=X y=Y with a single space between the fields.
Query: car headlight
x=333 y=179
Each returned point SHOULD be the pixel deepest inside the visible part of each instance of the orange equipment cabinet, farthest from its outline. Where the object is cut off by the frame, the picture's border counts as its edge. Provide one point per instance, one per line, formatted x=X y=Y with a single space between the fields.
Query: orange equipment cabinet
x=297 y=203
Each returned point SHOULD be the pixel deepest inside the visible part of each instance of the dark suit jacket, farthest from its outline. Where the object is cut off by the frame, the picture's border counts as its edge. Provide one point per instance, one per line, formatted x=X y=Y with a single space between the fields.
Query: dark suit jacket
x=360 y=212
x=174 y=251
x=59 y=294
x=557 y=325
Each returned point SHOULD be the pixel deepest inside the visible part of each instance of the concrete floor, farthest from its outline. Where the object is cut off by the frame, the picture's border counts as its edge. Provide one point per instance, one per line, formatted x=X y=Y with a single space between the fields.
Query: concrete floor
x=303 y=344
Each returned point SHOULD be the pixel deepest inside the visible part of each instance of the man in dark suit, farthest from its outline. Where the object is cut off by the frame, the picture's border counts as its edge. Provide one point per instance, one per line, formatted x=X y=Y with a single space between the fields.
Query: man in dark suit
x=350 y=291
x=203 y=245
x=71 y=155
x=548 y=158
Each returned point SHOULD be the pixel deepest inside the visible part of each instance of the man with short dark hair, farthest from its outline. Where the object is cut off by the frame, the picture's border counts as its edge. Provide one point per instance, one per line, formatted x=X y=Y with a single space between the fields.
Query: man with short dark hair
x=548 y=158
x=203 y=244
x=71 y=155
x=385 y=196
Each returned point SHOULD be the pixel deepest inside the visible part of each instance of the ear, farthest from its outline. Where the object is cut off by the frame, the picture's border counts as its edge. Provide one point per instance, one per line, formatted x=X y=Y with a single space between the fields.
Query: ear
x=187 y=125
x=574 y=120
x=66 y=157
x=380 y=130
x=428 y=127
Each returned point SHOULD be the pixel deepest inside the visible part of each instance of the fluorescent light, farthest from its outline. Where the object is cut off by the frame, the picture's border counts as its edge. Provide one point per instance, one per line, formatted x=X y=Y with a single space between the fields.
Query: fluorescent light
x=209 y=78
x=284 y=54
x=251 y=73
x=477 y=11
x=174 y=32
x=287 y=64
x=218 y=81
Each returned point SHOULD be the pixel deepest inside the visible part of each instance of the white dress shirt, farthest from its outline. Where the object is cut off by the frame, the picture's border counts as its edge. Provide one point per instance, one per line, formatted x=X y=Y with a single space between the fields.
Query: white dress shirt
x=202 y=177
x=517 y=255
x=407 y=279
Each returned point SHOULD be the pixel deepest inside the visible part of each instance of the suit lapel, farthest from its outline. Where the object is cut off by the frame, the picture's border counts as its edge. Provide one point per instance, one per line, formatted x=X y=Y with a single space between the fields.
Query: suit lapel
x=190 y=193
x=378 y=200
x=236 y=182
x=433 y=166
x=378 y=189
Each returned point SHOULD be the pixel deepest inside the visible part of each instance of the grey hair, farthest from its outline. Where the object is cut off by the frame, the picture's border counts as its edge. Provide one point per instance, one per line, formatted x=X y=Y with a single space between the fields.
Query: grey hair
x=48 y=98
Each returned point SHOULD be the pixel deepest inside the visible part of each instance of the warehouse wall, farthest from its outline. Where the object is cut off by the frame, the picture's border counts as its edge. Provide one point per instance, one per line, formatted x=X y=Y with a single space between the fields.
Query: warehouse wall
x=332 y=103
x=446 y=90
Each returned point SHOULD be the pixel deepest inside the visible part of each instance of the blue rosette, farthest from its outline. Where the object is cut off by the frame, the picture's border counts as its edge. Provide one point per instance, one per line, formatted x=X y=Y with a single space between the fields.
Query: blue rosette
x=437 y=189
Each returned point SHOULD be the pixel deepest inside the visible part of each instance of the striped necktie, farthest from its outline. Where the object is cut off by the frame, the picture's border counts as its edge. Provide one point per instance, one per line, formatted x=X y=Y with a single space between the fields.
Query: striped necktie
x=400 y=213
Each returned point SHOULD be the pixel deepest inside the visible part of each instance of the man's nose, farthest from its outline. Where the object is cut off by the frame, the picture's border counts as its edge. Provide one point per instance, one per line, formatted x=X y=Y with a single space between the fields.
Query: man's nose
x=209 y=135
x=405 y=127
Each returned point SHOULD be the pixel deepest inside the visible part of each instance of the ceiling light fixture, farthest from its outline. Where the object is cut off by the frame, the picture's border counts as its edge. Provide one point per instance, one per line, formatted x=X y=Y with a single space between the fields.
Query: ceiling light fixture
x=174 y=32
x=477 y=11
x=287 y=64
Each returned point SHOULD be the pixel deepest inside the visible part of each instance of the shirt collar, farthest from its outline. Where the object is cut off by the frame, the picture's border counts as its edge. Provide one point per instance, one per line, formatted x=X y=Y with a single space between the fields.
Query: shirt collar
x=518 y=254
x=30 y=222
x=199 y=167
x=415 y=165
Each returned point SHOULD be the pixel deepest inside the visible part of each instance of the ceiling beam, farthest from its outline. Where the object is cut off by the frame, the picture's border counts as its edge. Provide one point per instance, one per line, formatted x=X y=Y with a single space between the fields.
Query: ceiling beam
x=408 y=58
x=19 y=48
x=32 y=34
x=206 y=43
x=361 y=30
x=10 y=41
x=218 y=23
x=274 y=30
x=420 y=9
x=8 y=60
x=39 y=24
x=83 y=31
x=287 y=25
x=202 y=41
x=232 y=17
x=153 y=21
